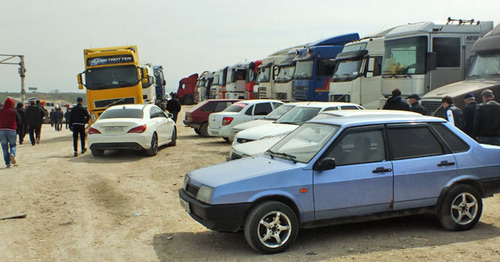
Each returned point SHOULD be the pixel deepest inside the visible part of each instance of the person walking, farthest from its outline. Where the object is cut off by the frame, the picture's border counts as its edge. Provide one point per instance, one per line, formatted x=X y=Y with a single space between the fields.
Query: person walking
x=45 y=114
x=453 y=114
x=22 y=128
x=395 y=102
x=34 y=118
x=58 y=115
x=174 y=106
x=66 y=118
x=9 y=119
x=52 y=117
x=486 y=124
x=415 y=106
x=78 y=118
x=469 y=111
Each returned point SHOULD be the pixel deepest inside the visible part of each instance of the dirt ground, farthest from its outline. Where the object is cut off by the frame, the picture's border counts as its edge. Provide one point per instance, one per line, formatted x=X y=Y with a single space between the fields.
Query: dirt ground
x=125 y=207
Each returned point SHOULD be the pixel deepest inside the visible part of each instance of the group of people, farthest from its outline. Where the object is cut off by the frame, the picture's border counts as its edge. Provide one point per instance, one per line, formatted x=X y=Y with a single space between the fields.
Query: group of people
x=481 y=122
x=56 y=118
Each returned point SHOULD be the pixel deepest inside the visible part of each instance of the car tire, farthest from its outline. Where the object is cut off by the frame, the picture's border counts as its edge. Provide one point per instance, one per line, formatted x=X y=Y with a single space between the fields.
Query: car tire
x=461 y=208
x=97 y=152
x=174 y=137
x=153 y=150
x=197 y=131
x=271 y=227
x=226 y=139
x=204 y=129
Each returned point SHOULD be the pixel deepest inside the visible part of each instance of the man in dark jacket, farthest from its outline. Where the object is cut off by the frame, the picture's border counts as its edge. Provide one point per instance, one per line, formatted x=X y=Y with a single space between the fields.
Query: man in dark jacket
x=174 y=107
x=34 y=117
x=469 y=111
x=58 y=115
x=78 y=118
x=415 y=105
x=395 y=102
x=487 y=120
x=22 y=128
x=9 y=119
x=453 y=114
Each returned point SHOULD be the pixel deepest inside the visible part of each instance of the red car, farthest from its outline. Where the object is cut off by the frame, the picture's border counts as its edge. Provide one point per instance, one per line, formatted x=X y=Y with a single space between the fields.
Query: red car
x=197 y=118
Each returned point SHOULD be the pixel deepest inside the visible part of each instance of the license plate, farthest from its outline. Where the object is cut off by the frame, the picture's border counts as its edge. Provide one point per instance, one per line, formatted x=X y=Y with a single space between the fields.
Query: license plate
x=185 y=205
x=114 y=129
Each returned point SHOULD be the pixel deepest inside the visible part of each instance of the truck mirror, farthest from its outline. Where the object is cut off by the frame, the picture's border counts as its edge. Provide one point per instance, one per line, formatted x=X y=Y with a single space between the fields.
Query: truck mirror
x=431 y=62
x=371 y=64
x=80 y=81
x=144 y=75
x=369 y=74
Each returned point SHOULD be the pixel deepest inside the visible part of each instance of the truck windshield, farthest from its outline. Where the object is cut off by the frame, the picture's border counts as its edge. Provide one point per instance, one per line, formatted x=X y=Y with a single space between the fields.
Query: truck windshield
x=485 y=65
x=298 y=115
x=347 y=70
x=264 y=74
x=304 y=70
x=111 y=77
x=216 y=80
x=302 y=144
x=285 y=74
x=405 y=56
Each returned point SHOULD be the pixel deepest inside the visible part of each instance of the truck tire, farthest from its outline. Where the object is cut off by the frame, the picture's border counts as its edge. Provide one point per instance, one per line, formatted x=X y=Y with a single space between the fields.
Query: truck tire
x=271 y=227
x=461 y=208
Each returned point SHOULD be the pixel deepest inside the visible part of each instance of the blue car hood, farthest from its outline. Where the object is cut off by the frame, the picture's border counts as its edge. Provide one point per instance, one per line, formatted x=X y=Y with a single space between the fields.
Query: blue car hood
x=238 y=170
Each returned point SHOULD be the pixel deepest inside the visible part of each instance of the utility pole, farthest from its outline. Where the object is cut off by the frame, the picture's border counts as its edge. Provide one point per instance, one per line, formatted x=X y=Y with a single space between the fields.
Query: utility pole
x=21 y=70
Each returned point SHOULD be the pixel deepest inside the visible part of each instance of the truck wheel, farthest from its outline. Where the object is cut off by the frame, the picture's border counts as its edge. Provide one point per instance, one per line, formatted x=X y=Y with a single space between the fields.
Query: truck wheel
x=153 y=150
x=461 y=208
x=271 y=227
x=174 y=137
x=97 y=152
x=204 y=129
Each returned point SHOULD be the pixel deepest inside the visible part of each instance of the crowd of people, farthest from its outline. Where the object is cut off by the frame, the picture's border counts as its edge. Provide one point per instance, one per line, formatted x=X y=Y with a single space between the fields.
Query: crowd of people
x=481 y=122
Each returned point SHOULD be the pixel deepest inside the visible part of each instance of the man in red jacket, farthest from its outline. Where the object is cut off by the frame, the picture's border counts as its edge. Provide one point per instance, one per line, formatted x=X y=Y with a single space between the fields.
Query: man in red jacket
x=9 y=119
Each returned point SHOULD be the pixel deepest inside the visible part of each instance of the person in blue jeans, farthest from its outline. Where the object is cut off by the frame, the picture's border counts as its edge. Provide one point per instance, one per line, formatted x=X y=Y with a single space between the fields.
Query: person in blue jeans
x=9 y=119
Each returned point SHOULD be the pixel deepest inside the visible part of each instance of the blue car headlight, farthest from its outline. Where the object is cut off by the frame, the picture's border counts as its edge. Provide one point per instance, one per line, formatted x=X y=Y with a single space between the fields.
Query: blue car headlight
x=205 y=194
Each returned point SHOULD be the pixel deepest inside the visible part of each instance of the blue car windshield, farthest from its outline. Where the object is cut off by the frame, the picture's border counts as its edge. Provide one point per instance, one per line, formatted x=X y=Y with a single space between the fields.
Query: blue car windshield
x=302 y=144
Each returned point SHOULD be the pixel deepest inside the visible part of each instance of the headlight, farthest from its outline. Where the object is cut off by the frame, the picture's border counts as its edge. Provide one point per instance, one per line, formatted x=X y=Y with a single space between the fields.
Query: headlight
x=205 y=194
x=186 y=180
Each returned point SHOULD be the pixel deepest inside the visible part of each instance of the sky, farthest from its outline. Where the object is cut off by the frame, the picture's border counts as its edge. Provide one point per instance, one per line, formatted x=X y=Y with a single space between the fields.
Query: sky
x=192 y=36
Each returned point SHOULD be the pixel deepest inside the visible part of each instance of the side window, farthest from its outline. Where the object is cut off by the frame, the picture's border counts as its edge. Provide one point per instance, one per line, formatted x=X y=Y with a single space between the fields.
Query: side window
x=153 y=113
x=263 y=109
x=448 y=51
x=276 y=105
x=221 y=106
x=249 y=111
x=359 y=147
x=209 y=107
x=326 y=67
x=411 y=142
x=331 y=108
x=455 y=143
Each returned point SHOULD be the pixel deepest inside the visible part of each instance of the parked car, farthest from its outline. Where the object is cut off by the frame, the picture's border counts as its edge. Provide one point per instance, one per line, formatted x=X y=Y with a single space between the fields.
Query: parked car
x=271 y=117
x=136 y=127
x=291 y=120
x=346 y=169
x=260 y=146
x=197 y=117
x=221 y=124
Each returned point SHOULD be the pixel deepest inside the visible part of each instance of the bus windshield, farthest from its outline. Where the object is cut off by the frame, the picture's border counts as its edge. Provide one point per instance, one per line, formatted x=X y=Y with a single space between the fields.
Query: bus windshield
x=111 y=77
x=405 y=56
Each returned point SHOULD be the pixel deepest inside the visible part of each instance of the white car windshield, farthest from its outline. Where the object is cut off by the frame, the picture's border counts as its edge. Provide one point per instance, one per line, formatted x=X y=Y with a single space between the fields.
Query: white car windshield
x=298 y=115
x=302 y=144
x=122 y=113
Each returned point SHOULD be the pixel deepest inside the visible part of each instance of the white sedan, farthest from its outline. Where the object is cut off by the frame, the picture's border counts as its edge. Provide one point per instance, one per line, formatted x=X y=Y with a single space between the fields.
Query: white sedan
x=136 y=127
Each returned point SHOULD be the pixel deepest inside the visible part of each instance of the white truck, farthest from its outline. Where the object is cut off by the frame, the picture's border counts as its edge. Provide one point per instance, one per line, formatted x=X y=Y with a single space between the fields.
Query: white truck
x=149 y=87
x=357 y=77
x=423 y=56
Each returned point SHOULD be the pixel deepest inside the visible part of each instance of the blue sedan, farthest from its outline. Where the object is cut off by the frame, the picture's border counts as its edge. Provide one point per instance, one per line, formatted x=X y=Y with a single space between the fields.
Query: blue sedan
x=346 y=169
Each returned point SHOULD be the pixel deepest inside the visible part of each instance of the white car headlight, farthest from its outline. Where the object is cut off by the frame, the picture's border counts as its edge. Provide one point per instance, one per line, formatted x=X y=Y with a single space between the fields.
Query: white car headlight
x=205 y=194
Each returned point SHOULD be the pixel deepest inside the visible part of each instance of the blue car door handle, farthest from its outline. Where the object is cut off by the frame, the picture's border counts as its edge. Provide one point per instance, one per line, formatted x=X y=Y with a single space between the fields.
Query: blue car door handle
x=446 y=163
x=381 y=170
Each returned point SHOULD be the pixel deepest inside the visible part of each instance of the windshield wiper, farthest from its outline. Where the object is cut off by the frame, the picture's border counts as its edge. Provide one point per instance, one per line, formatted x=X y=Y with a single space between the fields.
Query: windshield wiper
x=291 y=157
x=115 y=102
